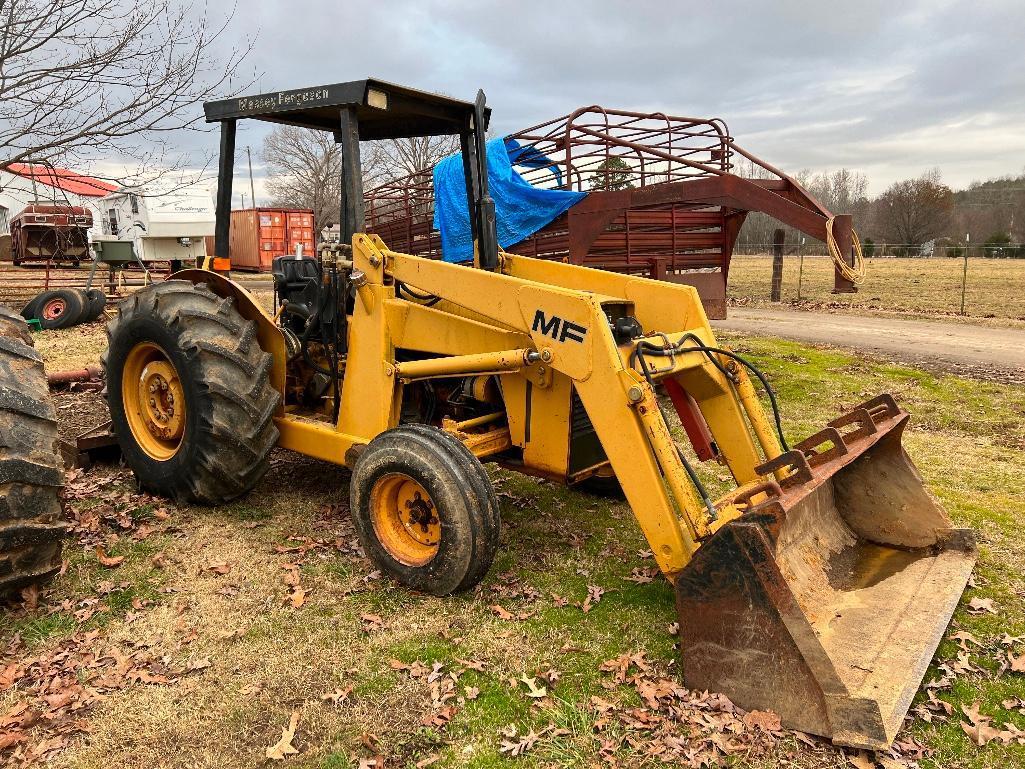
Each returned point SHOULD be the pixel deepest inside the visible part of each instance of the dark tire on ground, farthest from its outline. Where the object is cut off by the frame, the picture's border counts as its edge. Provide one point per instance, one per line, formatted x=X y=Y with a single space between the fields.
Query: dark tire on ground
x=30 y=309
x=460 y=491
x=32 y=524
x=224 y=375
x=96 y=301
x=607 y=486
x=60 y=308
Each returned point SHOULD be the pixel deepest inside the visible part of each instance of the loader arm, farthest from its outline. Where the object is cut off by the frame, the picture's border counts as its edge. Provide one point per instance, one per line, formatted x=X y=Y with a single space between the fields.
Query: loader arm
x=568 y=325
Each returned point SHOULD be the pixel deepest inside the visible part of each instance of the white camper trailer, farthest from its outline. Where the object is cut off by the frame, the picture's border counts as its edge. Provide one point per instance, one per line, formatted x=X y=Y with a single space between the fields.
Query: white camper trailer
x=163 y=225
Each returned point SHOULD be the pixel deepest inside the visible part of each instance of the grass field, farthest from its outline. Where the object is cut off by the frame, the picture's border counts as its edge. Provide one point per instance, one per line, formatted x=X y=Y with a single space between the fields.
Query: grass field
x=995 y=287
x=227 y=625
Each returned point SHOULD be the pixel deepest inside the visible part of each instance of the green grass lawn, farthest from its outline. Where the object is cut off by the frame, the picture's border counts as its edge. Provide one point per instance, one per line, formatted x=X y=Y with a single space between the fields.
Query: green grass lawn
x=270 y=658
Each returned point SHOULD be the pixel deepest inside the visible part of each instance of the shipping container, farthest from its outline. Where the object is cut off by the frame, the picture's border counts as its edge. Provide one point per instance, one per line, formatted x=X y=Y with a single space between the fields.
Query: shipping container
x=260 y=234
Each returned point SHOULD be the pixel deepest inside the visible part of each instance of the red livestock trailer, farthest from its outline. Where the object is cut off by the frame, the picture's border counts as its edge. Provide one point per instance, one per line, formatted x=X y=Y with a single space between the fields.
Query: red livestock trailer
x=666 y=198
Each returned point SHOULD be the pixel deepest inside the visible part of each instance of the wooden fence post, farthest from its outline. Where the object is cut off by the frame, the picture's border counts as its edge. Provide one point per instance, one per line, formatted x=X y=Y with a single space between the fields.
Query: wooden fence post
x=777 y=264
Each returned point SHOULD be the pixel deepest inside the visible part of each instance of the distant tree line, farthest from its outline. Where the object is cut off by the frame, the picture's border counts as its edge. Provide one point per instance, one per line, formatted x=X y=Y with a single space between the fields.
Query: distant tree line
x=987 y=216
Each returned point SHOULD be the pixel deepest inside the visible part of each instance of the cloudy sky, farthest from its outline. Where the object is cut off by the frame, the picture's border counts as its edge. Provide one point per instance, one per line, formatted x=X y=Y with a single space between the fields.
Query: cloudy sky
x=891 y=89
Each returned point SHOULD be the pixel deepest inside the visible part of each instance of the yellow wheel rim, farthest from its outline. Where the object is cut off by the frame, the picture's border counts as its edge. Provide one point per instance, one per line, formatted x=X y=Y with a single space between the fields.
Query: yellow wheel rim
x=405 y=519
x=154 y=401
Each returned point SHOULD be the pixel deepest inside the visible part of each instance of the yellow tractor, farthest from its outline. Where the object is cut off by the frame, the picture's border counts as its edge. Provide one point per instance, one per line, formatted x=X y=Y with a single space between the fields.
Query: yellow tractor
x=819 y=588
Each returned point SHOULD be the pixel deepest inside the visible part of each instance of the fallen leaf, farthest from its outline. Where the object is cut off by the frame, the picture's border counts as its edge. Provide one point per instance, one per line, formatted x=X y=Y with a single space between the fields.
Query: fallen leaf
x=979 y=729
x=981 y=606
x=519 y=747
x=861 y=760
x=338 y=696
x=594 y=594
x=105 y=560
x=9 y=739
x=765 y=720
x=436 y=672
x=284 y=747
x=219 y=567
x=972 y=711
x=641 y=576
x=200 y=663
x=298 y=597
x=980 y=733
x=291 y=577
x=533 y=690
x=1017 y=663
x=502 y=613
x=439 y=718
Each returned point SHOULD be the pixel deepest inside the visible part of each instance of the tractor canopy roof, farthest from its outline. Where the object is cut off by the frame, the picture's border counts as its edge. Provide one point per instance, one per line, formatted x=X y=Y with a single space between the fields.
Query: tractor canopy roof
x=383 y=110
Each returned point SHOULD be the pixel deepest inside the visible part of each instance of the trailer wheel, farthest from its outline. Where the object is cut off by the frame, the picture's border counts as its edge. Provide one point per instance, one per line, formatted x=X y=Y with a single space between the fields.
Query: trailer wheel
x=32 y=524
x=60 y=308
x=189 y=391
x=96 y=302
x=425 y=509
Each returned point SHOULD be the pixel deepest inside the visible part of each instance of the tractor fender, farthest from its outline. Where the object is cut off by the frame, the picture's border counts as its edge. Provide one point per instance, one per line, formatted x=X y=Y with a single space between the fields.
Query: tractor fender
x=268 y=334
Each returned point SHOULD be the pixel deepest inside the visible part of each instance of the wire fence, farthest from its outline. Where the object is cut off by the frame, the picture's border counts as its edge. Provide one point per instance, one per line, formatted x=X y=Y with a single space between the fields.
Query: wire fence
x=973 y=283
x=873 y=250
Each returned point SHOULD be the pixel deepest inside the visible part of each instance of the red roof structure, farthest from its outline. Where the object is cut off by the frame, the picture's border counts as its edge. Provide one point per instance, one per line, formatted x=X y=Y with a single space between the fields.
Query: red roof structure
x=63 y=179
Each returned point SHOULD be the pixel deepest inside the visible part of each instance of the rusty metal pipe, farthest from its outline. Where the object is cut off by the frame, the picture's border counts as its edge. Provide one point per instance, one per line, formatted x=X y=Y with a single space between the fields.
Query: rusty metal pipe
x=75 y=375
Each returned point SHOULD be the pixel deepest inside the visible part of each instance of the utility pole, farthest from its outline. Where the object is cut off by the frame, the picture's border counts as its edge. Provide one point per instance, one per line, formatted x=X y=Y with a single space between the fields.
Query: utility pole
x=252 y=189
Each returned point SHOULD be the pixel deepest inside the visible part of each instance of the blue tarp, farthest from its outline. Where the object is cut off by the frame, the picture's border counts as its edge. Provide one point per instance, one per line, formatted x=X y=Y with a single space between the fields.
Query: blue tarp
x=521 y=208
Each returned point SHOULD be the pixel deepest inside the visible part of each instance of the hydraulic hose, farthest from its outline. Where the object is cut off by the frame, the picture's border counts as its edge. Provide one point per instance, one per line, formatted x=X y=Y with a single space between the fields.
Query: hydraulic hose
x=644 y=346
x=691 y=473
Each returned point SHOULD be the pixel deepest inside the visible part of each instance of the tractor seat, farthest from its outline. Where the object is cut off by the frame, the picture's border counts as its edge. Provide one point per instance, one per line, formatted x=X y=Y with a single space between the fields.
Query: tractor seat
x=291 y=274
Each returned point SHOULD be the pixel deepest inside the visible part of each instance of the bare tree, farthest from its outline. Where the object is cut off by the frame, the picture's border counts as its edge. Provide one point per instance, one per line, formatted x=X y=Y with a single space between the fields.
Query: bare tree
x=914 y=211
x=394 y=158
x=83 y=79
x=304 y=167
x=304 y=171
x=842 y=192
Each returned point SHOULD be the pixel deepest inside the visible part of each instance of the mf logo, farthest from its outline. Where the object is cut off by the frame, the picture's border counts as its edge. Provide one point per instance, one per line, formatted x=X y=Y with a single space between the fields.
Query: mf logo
x=557 y=328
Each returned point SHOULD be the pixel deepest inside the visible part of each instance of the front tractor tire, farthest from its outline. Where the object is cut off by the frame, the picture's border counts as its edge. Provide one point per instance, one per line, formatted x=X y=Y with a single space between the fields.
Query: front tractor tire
x=32 y=524
x=425 y=510
x=190 y=395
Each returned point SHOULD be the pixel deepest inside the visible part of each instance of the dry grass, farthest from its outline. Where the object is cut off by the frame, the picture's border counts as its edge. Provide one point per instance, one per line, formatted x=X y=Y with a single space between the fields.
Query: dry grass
x=269 y=658
x=72 y=348
x=920 y=286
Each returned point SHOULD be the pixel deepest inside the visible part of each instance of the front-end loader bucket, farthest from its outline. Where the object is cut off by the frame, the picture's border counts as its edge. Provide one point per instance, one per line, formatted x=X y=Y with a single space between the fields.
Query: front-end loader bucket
x=826 y=600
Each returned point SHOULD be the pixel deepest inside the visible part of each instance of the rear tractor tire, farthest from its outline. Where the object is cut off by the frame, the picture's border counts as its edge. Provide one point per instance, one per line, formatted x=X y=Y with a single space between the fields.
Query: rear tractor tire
x=32 y=524
x=425 y=510
x=189 y=391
